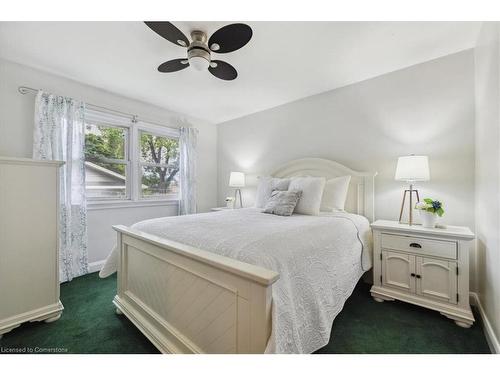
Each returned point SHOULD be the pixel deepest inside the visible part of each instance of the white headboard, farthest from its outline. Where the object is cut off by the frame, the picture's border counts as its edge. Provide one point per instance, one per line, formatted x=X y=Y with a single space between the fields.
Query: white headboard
x=361 y=194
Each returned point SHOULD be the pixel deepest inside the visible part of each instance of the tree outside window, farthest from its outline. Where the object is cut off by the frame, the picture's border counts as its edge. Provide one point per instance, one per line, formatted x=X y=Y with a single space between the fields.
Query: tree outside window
x=106 y=161
x=159 y=165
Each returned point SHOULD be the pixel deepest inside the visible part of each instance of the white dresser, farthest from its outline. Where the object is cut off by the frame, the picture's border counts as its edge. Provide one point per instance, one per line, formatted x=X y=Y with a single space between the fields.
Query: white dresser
x=426 y=267
x=29 y=259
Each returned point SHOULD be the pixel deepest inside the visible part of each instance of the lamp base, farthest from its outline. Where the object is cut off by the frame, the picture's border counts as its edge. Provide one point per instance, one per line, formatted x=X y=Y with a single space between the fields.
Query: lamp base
x=410 y=191
x=236 y=193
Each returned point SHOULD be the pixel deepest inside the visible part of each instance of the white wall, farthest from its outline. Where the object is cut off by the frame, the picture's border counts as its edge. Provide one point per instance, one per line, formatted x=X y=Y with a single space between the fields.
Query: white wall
x=16 y=128
x=424 y=109
x=487 y=66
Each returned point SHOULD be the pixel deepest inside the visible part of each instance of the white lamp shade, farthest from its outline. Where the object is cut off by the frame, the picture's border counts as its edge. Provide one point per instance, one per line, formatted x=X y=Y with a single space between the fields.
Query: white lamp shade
x=412 y=168
x=237 y=179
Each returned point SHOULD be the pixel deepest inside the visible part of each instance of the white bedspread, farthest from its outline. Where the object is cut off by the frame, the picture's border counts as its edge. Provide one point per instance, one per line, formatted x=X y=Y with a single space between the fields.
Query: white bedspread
x=319 y=258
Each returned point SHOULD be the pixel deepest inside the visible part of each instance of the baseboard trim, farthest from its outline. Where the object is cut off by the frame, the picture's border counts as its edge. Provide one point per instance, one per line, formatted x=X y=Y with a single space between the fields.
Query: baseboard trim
x=96 y=266
x=491 y=338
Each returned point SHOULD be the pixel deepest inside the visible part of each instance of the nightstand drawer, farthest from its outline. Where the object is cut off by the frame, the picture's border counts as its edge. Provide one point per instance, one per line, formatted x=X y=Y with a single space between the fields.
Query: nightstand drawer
x=423 y=246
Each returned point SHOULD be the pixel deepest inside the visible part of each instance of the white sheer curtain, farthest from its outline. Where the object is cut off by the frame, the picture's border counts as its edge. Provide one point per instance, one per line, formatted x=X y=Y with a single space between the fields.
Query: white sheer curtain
x=59 y=135
x=187 y=162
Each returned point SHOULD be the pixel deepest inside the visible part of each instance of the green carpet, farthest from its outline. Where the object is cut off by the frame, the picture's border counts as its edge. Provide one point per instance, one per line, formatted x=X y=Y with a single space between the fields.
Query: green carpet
x=89 y=325
x=366 y=326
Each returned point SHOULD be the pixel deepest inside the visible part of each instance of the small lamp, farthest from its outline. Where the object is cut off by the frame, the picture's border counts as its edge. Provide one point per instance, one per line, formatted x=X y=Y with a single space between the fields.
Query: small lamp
x=411 y=169
x=237 y=180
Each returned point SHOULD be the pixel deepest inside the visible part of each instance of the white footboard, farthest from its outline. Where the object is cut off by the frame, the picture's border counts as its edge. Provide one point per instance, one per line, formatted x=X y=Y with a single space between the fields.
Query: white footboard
x=186 y=300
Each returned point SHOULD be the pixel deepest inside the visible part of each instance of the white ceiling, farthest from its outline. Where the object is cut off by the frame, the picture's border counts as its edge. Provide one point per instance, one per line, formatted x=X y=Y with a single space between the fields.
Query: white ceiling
x=284 y=61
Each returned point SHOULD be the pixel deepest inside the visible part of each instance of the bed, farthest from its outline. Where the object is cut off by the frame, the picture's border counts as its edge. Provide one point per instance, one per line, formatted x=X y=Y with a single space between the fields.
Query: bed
x=241 y=281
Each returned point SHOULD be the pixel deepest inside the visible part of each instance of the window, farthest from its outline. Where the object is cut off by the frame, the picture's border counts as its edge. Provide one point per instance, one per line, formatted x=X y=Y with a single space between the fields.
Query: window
x=106 y=161
x=159 y=165
x=129 y=161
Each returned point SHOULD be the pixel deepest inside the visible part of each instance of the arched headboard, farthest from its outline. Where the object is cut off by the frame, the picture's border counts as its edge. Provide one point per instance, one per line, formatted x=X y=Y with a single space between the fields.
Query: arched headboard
x=361 y=194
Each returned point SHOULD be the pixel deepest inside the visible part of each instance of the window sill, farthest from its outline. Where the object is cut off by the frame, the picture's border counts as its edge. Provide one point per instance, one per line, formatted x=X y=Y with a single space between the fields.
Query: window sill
x=105 y=205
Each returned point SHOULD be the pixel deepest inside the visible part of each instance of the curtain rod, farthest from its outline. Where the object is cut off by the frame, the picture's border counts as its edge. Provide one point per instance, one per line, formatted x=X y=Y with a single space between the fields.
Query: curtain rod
x=30 y=90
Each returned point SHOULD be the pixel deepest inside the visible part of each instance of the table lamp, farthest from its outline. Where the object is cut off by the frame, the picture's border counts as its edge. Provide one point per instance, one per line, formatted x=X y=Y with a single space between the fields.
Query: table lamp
x=411 y=169
x=237 y=180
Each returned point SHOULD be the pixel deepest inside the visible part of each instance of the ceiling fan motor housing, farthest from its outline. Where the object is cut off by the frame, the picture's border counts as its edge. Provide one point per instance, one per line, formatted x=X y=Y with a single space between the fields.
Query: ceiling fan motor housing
x=198 y=51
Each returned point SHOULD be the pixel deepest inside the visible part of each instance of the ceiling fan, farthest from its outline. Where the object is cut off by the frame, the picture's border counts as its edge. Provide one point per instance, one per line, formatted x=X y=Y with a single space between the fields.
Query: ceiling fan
x=227 y=39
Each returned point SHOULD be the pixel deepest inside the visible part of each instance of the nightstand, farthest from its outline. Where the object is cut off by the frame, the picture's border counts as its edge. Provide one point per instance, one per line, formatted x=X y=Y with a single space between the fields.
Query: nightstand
x=426 y=267
x=220 y=208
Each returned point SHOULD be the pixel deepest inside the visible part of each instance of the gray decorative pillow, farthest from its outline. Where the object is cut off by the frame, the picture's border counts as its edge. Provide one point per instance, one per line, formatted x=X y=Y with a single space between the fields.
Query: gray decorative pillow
x=266 y=187
x=282 y=202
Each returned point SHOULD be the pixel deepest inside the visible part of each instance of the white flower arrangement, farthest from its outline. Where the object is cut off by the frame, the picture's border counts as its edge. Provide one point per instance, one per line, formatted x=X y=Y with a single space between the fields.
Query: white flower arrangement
x=230 y=202
x=430 y=205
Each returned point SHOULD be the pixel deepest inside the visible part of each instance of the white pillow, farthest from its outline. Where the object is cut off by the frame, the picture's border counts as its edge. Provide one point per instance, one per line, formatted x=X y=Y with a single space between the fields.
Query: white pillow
x=312 y=191
x=335 y=194
x=266 y=186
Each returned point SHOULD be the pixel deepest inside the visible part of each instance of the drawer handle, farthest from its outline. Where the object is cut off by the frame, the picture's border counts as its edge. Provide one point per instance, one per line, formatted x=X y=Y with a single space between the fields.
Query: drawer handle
x=417 y=245
x=412 y=274
x=418 y=276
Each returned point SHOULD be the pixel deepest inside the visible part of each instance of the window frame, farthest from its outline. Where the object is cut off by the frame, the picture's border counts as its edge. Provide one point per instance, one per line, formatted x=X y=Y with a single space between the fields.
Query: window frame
x=132 y=159
x=168 y=133
x=125 y=161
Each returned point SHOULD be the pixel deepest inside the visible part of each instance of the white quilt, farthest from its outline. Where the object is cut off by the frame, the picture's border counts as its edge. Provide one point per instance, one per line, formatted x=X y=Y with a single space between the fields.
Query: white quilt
x=319 y=258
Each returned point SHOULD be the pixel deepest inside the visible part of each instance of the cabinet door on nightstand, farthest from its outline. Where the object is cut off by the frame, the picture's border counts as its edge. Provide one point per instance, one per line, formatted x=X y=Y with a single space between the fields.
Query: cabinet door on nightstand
x=438 y=279
x=397 y=270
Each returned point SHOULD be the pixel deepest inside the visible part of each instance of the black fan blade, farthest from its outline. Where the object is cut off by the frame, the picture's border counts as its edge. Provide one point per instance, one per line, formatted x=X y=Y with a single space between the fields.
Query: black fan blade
x=173 y=65
x=230 y=38
x=169 y=32
x=222 y=70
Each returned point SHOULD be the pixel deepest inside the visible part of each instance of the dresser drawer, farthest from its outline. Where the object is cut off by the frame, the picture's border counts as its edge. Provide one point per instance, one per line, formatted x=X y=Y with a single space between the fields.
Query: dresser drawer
x=423 y=246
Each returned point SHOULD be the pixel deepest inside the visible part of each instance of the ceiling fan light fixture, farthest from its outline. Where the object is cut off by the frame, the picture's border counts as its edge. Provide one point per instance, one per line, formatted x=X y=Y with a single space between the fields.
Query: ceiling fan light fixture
x=198 y=53
x=199 y=63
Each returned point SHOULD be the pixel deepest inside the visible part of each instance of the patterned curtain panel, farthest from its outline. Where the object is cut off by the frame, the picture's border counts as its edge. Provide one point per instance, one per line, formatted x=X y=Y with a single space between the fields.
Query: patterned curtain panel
x=59 y=135
x=187 y=145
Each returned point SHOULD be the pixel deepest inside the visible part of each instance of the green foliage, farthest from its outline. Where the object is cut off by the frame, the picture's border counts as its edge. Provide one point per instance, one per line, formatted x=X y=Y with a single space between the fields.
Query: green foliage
x=156 y=149
x=431 y=205
x=109 y=143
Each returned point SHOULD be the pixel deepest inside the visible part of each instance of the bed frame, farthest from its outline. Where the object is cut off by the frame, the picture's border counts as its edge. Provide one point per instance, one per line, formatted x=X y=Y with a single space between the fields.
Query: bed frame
x=187 y=300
